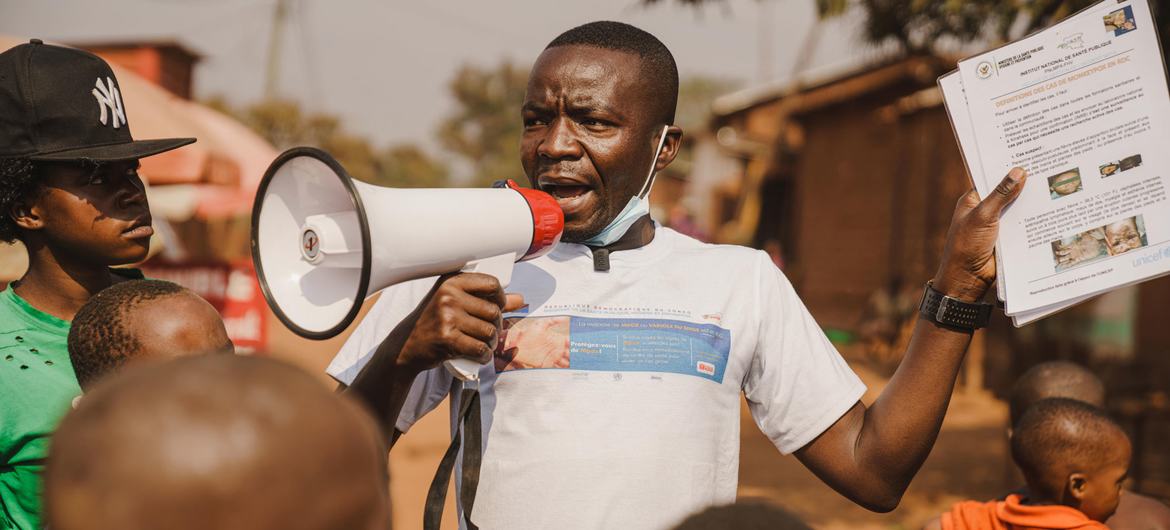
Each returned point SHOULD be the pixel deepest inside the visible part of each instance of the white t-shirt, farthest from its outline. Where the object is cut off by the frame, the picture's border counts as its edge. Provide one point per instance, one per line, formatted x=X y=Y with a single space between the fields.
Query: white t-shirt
x=616 y=403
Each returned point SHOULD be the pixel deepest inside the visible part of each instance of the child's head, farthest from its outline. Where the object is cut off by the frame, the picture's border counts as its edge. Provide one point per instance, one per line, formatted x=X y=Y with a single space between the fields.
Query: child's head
x=68 y=163
x=1055 y=379
x=1071 y=453
x=142 y=319
x=216 y=441
x=743 y=516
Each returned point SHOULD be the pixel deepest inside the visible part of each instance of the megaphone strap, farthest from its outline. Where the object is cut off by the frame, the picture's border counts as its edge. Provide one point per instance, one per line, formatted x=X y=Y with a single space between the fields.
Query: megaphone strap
x=469 y=427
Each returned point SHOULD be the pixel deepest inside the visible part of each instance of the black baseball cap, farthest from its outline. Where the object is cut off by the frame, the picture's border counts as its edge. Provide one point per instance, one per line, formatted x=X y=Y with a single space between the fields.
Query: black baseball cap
x=65 y=104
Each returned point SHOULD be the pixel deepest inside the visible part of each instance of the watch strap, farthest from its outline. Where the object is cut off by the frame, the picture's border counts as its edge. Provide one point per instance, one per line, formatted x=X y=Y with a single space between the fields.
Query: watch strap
x=952 y=312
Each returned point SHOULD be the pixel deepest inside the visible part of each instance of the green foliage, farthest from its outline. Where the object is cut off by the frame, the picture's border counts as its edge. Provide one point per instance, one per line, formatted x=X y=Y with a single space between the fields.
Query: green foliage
x=410 y=167
x=485 y=129
x=285 y=125
x=917 y=26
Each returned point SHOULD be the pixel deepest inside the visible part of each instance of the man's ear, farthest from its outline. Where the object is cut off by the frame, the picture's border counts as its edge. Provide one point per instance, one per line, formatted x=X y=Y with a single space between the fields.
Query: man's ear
x=1076 y=486
x=670 y=147
x=26 y=214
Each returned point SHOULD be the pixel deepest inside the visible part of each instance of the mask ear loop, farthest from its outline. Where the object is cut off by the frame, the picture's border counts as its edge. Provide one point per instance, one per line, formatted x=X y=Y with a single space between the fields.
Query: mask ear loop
x=653 y=164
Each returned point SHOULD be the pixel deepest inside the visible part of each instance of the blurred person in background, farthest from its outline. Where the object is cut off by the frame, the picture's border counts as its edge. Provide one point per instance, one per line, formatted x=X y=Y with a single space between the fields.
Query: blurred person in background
x=70 y=192
x=218 y=442
x=1063 y=379
x=142 y=320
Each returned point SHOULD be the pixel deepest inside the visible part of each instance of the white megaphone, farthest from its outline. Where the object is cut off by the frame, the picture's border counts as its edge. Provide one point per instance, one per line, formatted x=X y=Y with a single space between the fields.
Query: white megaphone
x=322 y=241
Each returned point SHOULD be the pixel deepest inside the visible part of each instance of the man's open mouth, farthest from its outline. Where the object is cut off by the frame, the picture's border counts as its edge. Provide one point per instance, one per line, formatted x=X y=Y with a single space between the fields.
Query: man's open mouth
x=565 y=191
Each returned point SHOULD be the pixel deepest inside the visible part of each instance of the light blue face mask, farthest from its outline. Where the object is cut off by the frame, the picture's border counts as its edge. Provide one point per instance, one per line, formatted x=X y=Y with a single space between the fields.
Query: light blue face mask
x=637 y=207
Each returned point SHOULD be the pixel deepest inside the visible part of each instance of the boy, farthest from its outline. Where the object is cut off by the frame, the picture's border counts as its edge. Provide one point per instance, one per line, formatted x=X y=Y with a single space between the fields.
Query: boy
x=1065 y=379
x=69 y=191
x=1074 y=459
x=140 y=320
x=218 y=442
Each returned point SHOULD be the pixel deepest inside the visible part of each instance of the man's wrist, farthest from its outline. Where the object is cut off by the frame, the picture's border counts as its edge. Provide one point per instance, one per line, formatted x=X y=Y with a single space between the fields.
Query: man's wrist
x=959 y=288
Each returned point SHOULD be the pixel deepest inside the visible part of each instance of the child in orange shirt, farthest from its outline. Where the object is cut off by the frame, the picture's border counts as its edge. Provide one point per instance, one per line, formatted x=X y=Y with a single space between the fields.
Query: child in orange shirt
x=1074 y=459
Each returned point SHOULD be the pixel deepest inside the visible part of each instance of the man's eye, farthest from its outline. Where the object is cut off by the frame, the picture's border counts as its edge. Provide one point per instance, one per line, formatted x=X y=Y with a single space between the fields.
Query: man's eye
x=533 y=122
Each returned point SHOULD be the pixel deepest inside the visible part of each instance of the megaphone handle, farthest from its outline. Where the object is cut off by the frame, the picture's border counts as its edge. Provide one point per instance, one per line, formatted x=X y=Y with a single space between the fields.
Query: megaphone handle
x=500 y=267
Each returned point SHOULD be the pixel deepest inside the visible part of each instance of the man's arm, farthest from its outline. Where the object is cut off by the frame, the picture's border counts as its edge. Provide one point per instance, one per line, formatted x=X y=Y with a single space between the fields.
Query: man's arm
x=460 y=317
x=871 y=454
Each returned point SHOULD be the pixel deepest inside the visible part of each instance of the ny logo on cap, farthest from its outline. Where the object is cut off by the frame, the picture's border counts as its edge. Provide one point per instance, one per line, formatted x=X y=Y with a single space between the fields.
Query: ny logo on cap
x=108 y=96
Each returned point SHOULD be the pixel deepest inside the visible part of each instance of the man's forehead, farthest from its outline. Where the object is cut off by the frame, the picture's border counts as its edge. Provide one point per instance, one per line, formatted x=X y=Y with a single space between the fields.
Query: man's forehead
x=585 y=73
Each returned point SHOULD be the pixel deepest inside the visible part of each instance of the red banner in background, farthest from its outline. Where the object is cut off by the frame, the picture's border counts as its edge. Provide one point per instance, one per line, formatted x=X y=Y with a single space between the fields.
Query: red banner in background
x=232 y=288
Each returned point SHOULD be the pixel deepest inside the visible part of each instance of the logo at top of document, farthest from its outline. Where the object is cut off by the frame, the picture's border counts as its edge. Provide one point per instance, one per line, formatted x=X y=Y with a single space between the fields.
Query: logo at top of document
x=1075 y=41
x=984 y=70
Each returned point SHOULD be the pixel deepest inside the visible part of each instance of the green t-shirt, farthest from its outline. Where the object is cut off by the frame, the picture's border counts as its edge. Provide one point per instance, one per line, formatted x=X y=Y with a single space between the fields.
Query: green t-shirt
x=37 y=386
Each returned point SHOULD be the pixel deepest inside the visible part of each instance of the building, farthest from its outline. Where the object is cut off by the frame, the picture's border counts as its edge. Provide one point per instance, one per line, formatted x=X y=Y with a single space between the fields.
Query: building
x=851 y=182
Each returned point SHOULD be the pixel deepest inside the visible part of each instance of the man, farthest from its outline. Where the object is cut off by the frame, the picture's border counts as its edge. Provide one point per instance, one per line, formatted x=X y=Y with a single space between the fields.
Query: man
x=1062 y=379
x=142 y=320
x=642 y=427
x=216 y=441
x=69 y=190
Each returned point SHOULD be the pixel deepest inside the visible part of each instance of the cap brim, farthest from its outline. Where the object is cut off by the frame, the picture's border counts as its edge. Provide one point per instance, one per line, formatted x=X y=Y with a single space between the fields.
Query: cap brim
x=116 y=152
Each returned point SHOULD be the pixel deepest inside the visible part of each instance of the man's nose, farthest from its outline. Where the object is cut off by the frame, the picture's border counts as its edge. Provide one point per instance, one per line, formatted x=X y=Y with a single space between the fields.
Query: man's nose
x=560 y=142
x=131 y=191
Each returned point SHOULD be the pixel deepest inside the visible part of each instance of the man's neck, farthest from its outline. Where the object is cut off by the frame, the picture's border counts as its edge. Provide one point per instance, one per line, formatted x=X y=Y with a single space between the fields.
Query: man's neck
x=640 y=234
x=58 y=285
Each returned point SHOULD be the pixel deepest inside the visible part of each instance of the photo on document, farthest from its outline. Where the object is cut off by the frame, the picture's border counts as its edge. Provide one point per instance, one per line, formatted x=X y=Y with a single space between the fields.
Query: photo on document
x=1064 y=183
x=1120 y=22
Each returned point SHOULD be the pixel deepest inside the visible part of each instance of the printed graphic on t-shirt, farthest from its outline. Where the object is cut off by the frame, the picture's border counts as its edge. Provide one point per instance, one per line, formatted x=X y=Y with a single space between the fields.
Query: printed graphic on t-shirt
x=614 y=344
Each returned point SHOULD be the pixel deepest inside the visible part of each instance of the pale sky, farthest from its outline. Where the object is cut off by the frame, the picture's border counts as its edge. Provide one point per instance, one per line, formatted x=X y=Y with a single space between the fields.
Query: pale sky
x=383 y=65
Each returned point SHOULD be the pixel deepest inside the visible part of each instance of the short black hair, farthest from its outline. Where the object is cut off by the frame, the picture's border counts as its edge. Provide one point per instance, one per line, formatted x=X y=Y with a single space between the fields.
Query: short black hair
x=743 y=516
x=1055 y=379
x=17 y=182
x=659 y=63
x=1058 y=435
x=99 y=341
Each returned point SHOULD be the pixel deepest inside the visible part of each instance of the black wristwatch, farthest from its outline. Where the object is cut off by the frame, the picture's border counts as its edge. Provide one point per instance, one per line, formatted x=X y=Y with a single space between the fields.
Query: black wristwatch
x=953 y=313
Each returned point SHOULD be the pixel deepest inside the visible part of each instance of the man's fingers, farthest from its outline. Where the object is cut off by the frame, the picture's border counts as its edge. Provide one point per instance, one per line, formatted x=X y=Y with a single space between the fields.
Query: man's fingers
x=482 y=285
x=480 y=308
x=514 y=302
x=1005 y=192
x=468 y=347
x=478 y=328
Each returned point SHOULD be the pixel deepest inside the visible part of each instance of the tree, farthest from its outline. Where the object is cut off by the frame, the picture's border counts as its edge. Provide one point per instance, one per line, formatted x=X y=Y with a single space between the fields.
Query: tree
x=283 y=123
x=917 y=26
x=485 y=129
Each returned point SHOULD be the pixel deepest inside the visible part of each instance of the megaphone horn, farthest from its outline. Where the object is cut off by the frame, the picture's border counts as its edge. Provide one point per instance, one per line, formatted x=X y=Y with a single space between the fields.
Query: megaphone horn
x=322 y=241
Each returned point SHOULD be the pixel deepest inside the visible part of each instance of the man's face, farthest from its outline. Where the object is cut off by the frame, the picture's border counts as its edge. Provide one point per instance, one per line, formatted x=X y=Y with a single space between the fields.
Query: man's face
x=1123 y=236
x=589 y=133
x=97 y=214
x=177 y=326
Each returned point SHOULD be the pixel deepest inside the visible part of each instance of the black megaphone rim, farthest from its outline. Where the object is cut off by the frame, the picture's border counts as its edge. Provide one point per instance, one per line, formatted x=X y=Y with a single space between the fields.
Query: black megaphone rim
x=363 y=282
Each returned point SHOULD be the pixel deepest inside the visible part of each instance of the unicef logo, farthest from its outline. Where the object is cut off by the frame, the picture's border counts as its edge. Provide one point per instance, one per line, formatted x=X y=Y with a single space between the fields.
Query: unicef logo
x=984 y=70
